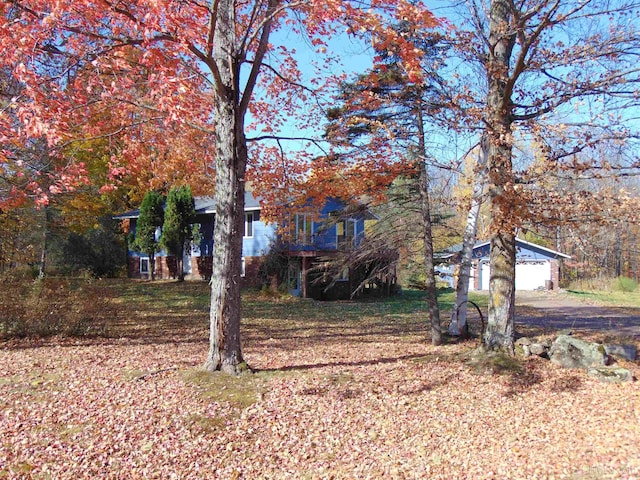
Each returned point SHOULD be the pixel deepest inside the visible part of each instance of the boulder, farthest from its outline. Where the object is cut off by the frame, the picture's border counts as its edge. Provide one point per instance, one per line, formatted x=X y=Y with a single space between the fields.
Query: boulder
x=628 y=352
x=611 y=374
x=523 y=341
x=571 y=352
x=522 y=346
x=538 y=349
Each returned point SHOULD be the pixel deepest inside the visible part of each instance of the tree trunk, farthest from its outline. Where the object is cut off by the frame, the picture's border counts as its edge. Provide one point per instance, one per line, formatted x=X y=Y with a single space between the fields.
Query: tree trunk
x=225 y=351
x=42 y=268
x=152 y=265
x=458 y=323
x=500 y=331
x=499 y=334
x=425 y=207
x=180 y=264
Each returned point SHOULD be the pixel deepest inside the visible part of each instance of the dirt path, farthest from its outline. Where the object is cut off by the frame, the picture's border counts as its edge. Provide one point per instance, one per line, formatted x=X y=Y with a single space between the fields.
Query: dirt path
x=556 y=310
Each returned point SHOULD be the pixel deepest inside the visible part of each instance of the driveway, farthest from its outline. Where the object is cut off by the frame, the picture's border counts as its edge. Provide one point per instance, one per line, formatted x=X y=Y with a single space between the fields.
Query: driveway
x=557 y=310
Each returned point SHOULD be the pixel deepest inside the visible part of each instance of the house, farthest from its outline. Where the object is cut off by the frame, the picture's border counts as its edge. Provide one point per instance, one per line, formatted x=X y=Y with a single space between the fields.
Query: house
x=537 y=267
x=307 y=240
x=314 y=240
x=197 y=263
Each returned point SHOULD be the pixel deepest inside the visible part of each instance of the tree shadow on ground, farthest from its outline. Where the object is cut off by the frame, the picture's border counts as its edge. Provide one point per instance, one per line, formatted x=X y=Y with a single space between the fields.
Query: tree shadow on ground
x=360 y=363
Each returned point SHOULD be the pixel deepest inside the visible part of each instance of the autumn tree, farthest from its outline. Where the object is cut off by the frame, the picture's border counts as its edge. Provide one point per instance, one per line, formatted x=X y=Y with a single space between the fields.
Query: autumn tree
x=203 y=67
x=387 y=108
x=177 y=229
x=148 y=225
x=562 y=75
x=458 y=323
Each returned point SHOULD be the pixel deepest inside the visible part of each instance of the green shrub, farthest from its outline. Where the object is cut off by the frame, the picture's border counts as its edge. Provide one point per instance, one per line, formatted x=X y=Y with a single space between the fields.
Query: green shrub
x=625 y=284
x=100 y=252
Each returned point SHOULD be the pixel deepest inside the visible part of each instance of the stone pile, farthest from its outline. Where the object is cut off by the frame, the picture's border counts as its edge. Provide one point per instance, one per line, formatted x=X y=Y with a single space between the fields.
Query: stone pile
x=572 y=352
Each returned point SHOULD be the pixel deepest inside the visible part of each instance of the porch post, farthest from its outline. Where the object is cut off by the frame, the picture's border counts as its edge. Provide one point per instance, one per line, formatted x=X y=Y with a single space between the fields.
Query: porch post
x=304 y=277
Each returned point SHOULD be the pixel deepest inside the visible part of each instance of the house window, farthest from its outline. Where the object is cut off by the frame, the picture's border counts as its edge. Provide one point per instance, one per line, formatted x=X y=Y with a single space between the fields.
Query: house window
x=144 y=264
x=302 y=229
x=248 y=224
x=346 y=232
x=243 y=267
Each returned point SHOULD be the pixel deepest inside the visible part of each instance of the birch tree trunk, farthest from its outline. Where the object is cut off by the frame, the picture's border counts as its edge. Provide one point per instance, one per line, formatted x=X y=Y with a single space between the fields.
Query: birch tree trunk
x=458 y=323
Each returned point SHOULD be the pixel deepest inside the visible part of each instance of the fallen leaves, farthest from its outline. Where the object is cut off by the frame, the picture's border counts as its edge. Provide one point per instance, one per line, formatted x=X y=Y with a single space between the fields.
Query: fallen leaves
x=360 y=404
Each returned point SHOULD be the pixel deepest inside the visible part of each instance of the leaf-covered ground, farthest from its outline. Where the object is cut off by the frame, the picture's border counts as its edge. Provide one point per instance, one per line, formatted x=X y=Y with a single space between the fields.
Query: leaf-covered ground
x=343 y=390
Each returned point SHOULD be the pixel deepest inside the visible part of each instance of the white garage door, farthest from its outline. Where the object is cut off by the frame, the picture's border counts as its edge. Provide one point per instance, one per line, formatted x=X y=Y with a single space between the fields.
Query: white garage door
x=530 y=275
x=485 y=272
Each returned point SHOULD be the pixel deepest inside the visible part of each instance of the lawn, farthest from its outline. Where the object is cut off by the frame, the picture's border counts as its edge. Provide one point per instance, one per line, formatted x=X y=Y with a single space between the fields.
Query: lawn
x=342 y=390
x=611 y=297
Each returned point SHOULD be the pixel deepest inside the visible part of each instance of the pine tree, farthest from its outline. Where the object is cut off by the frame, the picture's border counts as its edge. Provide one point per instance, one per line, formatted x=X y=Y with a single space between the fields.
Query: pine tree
x=151 y=218
x=177 y=232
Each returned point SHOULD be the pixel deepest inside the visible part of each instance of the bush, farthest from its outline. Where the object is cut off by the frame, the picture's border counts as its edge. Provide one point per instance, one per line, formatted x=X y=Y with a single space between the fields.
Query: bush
x=100 y=251
x=625 y=284
x=54 y=306
x=205 y=266
x=274 y=268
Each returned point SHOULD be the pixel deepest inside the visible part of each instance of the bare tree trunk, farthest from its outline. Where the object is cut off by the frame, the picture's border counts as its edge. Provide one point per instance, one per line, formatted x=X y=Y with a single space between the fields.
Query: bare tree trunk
x=43 y=258
x=180 y=264
x=499 y=334
x=42 y=269
x=152 y=266
x=225 y=351
x=458 y=323
x=425 y=206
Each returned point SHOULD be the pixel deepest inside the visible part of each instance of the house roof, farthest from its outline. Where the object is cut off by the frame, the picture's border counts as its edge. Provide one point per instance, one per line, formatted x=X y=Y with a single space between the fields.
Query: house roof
x=206 y=205
x=456 y=249
x=203 y=205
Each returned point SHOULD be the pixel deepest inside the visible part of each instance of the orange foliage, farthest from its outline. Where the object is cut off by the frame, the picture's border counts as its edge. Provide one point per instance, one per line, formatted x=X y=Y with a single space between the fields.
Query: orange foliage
x=136 y=75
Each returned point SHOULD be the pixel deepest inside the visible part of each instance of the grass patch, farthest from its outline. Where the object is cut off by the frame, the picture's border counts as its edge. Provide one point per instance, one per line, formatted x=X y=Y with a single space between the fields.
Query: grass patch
x=611 y=297
x=163 y=294
x=205 y=424
x=482 y=361
x=240 y=391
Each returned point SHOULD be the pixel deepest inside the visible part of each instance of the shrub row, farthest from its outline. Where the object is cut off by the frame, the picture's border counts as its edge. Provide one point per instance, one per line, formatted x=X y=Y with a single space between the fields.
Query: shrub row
x=54 y=306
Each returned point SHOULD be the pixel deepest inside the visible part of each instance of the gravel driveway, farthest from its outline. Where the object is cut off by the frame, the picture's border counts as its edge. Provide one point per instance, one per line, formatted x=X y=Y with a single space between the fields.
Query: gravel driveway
x=557 y=310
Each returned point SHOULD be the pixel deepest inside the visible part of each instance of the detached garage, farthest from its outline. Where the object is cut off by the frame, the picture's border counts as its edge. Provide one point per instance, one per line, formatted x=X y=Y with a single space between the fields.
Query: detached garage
x=536 y=267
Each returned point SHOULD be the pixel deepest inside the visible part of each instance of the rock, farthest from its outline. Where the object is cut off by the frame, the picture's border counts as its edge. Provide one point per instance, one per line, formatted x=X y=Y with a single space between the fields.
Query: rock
x=537 y=349
x=522 y=350
x=571 y=352
x=524 y=341
x=628 y=352
x=611 y=374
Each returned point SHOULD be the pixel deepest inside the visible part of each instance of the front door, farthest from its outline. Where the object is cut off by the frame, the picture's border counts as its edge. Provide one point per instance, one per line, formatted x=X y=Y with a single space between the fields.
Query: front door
x=294 y=277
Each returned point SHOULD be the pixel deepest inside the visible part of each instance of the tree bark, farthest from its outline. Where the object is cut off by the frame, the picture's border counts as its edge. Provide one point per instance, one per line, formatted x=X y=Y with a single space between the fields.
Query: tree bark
x=225 y=351
x=425 y=207
x=500 y=331
x=499 y=334
x=42 y=268
x=180 y=264
x=458 y=323
x=152 y=265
